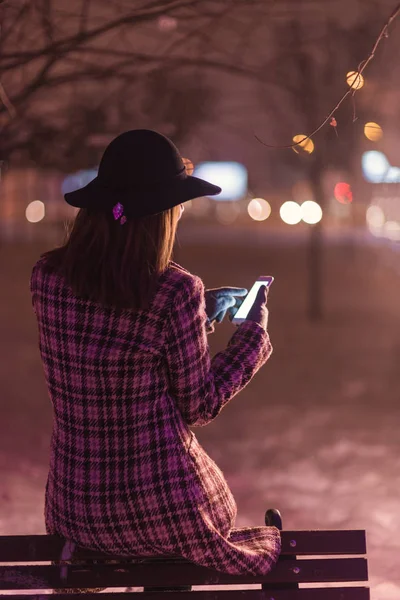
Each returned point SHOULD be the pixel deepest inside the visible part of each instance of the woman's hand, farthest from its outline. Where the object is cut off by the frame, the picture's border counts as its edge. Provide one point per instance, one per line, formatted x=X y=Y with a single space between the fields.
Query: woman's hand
x=259 y=310
x=219 y=300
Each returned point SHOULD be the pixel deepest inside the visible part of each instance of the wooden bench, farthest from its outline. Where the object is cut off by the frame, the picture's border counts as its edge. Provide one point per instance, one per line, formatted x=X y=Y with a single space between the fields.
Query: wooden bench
x=306 y=559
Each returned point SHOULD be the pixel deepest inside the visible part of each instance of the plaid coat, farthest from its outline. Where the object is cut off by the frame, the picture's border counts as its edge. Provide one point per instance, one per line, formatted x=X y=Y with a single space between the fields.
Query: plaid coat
x=127 y=475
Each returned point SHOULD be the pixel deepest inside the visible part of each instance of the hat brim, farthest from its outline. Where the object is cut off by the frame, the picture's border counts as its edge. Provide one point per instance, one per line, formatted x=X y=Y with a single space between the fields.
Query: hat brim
x=150 y=200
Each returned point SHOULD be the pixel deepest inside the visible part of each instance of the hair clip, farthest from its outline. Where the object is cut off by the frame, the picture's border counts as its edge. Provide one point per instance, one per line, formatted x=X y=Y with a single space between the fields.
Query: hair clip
x=118 y=212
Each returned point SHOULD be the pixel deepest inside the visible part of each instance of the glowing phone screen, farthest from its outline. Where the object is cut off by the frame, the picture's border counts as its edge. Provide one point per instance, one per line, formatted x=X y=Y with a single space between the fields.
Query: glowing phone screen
x=251 y=296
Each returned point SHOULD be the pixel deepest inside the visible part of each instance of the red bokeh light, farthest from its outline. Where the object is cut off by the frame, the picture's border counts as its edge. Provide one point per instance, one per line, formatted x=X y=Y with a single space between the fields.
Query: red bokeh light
x=343 y=192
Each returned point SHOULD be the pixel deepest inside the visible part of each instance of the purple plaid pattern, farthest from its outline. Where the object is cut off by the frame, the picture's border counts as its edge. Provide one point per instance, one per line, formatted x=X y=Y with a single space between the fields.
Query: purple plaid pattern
x=127 y=475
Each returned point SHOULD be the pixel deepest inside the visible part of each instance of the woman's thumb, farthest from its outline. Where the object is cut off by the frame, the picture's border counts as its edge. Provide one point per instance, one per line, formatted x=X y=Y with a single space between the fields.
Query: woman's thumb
x=262 y=294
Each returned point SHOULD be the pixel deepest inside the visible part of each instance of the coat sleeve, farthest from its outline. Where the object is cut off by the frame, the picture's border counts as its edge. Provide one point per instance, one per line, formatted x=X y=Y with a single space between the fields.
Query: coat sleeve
x=201 y=386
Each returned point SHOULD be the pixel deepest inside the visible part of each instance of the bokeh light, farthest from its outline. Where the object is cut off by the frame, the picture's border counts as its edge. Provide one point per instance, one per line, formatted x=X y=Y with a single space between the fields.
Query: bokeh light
x=303 y=145
x=355 y=80
x=342 y=192
x=259 y=209
x=78 y=180
x=391 y=231
x=311 y=212
x=35 y=211
x=375 y=217
x=188 y=166
x=227 y=212
x=374 y=166
x=392 y=175
x=290 y=212
x=373 y=131
x=230 y=176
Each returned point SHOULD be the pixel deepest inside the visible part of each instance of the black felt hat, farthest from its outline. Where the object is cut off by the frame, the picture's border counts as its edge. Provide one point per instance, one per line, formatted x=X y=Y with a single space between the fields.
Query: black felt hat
x=141 y=173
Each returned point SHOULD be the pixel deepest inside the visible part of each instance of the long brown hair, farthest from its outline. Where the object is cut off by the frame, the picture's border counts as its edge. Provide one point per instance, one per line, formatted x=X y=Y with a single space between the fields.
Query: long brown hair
x=112 y=264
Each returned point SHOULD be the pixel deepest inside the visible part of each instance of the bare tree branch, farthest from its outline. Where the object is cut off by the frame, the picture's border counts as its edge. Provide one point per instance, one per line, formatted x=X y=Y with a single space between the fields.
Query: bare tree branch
x=83 y=19
x=45 y=11
x=6 y=101
x=384 y=33
x=101 y=53
x=39 y=80
x=132 y=61
x=17 y=19
x=67 y=44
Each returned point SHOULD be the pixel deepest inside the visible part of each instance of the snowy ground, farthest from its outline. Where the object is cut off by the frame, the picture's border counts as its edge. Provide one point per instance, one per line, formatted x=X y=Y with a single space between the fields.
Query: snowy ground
x=316 y=433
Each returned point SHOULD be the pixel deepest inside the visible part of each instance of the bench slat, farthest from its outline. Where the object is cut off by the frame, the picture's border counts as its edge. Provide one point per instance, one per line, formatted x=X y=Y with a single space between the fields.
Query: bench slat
x=346 y=593
x=36 y=548
x=124 y=575
x=324 y=542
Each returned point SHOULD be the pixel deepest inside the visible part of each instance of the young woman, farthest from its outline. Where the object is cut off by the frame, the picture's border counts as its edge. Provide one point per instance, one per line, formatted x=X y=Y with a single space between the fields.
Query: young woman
x=122 y=333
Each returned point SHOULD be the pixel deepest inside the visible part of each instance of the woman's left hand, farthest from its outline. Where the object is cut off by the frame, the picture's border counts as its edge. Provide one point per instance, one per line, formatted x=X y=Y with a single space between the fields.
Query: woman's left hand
x=219 y=300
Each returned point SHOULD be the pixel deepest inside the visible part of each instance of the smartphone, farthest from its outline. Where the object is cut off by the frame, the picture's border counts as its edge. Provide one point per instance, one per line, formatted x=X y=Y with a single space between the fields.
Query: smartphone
x=247 y=303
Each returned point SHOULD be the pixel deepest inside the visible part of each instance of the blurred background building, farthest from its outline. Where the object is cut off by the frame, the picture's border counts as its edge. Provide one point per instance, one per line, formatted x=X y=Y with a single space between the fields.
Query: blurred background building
x=213 y=76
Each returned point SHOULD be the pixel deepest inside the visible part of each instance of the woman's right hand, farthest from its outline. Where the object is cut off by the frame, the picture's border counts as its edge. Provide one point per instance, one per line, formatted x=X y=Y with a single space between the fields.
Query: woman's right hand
x=259 y=310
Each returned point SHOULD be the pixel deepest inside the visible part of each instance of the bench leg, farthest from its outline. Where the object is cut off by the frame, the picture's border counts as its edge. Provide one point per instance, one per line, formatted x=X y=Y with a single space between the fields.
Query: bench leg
x=274 y=518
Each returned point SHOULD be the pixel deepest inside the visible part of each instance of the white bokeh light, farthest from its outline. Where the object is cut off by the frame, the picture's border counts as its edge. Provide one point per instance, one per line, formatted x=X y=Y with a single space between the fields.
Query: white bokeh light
x=311 y=212
x=259 y=209
x=375 y=217
x=374 y=166
x=391 y=231
x=392 y=175
x=35 y=211
x=290 y=212
x=230 y=176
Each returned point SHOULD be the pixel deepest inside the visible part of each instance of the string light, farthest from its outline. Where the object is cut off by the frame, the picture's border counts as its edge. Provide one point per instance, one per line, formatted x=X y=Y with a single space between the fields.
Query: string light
x=352 y=76
x=373 y=131
x=355 y=80
x=305 y=145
